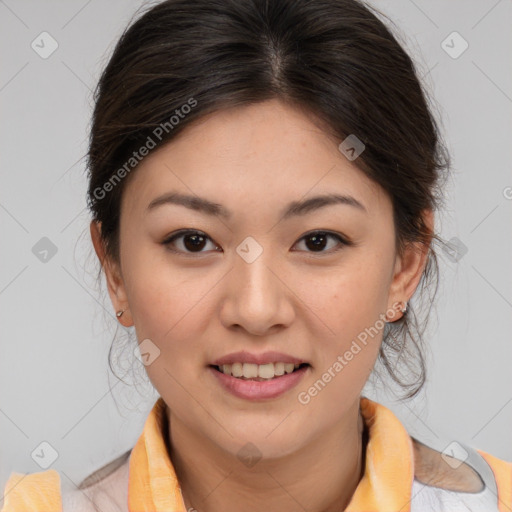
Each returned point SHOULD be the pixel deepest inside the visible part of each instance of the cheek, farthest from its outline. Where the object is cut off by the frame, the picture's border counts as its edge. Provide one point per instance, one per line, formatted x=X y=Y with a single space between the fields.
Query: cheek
x=163 y=298
x=346 y=355
x=353 y=294
x=171 y=313
x=349 y=303
x=168 y=308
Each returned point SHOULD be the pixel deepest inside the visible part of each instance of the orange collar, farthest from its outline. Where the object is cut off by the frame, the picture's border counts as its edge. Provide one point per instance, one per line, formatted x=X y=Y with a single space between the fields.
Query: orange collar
x=386 y=484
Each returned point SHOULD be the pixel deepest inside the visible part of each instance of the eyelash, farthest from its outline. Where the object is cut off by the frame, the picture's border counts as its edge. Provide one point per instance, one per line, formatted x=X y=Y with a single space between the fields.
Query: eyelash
x=182 y=233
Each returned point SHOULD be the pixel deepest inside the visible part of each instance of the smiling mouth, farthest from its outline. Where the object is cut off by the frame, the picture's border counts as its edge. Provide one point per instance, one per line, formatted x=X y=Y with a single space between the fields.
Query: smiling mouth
x=255 y=372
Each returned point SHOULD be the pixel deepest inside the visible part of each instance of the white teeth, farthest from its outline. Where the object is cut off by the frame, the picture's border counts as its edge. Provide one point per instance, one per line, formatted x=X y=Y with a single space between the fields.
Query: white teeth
x=263 y=371
x=289 y=367
x=236 y=370
x=266 y=371
x=278 y=369
x=250 y=370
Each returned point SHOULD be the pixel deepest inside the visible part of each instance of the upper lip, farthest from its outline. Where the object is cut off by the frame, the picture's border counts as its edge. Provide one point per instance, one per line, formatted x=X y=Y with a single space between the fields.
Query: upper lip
x=263 y=358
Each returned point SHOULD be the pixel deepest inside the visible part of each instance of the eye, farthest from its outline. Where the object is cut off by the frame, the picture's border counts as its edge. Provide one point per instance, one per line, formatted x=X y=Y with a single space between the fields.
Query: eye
x=193 y=241
x=317 y=240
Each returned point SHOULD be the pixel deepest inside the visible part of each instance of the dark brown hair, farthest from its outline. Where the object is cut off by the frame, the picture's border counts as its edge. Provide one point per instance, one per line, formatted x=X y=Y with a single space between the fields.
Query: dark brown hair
x=334 y=59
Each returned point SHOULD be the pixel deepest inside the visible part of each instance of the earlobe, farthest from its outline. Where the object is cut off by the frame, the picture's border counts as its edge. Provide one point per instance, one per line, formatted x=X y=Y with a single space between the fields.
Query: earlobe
x=113 y=275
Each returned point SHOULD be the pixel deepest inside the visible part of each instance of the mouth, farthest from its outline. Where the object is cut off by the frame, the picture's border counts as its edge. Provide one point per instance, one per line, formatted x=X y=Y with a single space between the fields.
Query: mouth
x=258 y=372
x=259 y=382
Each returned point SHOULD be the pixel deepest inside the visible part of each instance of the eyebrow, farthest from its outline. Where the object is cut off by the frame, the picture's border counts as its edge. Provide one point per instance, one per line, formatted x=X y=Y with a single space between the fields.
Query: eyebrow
x=295 y=208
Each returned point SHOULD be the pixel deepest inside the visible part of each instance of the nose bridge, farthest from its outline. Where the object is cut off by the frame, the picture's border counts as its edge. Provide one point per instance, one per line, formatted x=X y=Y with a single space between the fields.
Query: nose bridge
x=256 y=294
x=254 y=280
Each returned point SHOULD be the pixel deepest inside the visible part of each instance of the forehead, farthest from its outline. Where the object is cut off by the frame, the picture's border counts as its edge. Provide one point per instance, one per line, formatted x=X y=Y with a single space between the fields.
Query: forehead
x=262 y=153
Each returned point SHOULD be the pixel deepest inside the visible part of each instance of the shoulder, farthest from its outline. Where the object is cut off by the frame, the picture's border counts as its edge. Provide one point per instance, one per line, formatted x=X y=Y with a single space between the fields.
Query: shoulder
x=33 y=491
x=459 y=478
x=106 y=489
x=106 y=471
x=438 y=469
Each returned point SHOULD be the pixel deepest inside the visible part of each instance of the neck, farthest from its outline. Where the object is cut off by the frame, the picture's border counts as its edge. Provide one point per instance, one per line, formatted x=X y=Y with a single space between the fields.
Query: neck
x=320 y=477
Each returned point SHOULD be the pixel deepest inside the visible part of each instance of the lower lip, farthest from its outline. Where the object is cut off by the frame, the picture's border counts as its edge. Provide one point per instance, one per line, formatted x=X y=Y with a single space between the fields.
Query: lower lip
x=258 y=390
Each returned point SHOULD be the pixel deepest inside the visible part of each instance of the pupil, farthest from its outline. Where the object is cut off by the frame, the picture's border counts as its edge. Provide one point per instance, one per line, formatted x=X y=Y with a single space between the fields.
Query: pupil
x=199 y=239
x=316 y=238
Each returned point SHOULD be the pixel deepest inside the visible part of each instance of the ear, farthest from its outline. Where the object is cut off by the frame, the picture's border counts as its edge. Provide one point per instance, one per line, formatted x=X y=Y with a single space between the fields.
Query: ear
x=113 y=275
x=410 y=265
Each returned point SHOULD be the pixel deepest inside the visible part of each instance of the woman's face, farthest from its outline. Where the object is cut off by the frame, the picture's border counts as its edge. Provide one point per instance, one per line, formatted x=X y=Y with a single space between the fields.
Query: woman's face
x=257 y=280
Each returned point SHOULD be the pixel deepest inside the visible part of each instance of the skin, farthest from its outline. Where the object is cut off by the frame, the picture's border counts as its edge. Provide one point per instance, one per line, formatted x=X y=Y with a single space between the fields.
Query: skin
x=306 y=302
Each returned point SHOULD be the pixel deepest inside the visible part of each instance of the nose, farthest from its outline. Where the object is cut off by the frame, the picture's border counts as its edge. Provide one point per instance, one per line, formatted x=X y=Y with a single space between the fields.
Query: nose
x=257 y=298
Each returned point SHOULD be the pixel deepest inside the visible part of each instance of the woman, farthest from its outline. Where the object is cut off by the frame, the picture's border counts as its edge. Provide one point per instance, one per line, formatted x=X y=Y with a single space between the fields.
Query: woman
x=263 y=177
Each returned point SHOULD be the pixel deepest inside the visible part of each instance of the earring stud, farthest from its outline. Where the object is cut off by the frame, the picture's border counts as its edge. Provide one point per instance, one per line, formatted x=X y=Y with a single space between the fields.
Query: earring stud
x=120 y=312
x=397 y=306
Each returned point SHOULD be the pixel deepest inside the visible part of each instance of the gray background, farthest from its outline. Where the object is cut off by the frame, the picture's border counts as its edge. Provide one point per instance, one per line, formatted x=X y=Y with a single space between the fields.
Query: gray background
x=57 y=325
